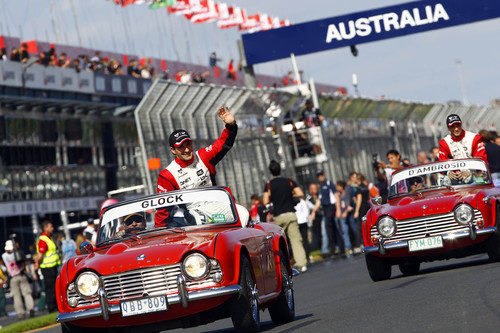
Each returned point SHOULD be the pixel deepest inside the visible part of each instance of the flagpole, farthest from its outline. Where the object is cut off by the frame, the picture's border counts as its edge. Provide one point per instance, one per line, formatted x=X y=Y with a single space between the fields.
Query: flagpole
x=193 y=39
x=53 y=18
x=188 y=46
x=174 y=40
x=77 y=24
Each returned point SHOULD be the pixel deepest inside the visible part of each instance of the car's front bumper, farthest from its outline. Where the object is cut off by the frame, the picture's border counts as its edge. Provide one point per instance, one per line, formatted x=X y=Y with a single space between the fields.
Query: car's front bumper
x=382 y=247
x=183 y=297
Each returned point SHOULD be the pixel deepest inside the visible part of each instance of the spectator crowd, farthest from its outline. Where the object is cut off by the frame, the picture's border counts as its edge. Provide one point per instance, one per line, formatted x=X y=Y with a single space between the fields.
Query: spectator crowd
x=32 y=276
x=327 y=219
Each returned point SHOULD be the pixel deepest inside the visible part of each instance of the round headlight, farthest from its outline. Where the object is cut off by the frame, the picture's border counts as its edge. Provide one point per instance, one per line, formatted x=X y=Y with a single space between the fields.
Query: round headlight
x=464 y=214
x=386 y=226
x=87 y=284
x=196 y=266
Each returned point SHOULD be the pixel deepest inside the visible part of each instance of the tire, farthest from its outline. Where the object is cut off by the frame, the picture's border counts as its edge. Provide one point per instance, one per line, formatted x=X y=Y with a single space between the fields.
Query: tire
x=378 y=268
x=408 y=269
x=245 y=309
x=283 y=309
x=493 y=245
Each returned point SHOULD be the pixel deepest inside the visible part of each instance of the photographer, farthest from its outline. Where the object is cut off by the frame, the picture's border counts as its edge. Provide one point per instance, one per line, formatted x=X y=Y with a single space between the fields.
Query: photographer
x=19 y=283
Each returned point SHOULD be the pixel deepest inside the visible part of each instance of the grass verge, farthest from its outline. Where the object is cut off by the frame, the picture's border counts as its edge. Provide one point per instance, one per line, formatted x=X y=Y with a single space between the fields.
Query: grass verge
x=31 y=323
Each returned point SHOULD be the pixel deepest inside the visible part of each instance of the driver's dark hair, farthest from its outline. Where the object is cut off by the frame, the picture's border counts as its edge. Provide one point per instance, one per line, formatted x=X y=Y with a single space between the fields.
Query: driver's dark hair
x=393 y=152
x=274 y=168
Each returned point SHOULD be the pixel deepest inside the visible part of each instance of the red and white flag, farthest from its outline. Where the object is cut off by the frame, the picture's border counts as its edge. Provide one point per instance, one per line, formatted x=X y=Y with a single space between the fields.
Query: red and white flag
x=208 y=14
x=180 y=5
x=250 y=22
x=195 y=7
x=235 y=18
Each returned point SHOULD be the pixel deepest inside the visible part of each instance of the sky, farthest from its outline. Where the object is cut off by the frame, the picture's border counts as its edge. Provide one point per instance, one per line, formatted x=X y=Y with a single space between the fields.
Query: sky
x=420 y=67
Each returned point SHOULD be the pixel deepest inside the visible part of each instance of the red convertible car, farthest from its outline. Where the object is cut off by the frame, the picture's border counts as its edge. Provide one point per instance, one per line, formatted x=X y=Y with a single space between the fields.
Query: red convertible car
x=208 y=262
x=435 y=211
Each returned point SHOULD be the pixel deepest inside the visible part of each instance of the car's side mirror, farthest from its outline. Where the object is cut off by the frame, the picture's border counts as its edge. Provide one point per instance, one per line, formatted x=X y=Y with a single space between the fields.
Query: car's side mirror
x=86 y=248
x=243 y=214
x=377 y=201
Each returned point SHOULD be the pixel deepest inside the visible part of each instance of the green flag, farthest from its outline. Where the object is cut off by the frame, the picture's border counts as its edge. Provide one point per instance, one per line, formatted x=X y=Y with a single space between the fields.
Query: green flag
x=162 y=3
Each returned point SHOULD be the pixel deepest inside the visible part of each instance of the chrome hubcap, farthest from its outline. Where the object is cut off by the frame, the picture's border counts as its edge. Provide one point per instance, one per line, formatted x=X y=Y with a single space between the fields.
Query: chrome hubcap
x=254 y=299
x=288 y=286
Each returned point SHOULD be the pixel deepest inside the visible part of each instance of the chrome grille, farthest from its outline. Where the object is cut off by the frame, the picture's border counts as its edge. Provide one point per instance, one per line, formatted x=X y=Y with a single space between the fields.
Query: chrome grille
x=160 y=280
x=432 y=225
x=81 y=301
x=150 y=281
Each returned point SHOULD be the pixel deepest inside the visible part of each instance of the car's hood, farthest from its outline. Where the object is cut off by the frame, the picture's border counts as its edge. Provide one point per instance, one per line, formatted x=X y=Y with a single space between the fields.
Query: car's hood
x=150 y=250
x=427 y=203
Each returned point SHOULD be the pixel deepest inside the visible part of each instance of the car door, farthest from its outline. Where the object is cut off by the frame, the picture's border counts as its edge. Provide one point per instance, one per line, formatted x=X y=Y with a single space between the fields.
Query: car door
x=264 y=241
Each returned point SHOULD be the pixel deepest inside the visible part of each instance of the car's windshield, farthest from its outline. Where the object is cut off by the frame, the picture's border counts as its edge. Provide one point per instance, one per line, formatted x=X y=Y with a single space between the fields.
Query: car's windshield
x=176 y=210
x=439 y=174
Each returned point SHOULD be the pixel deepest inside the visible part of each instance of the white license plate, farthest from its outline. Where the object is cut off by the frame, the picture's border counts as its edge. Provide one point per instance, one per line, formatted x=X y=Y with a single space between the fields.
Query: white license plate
x=425 y=243
x=143 y=305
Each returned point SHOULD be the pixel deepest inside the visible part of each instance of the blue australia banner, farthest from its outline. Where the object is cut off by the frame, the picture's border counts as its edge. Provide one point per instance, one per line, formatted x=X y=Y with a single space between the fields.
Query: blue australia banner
x=363 y=27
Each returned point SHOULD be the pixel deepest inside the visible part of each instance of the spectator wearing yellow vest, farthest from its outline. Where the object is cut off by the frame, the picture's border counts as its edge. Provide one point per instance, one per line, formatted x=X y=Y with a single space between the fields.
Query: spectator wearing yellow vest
x=48 y=259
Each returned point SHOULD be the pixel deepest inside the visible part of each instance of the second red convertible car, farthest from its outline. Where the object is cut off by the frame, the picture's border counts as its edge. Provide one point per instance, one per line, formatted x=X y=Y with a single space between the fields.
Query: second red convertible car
x=209 y=262
x=435 y=211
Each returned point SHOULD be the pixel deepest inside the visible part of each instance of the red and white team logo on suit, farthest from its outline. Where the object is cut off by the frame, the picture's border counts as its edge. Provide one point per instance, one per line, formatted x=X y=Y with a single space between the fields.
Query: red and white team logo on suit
x=194 y=175
x=200 y=171
x=467 y=145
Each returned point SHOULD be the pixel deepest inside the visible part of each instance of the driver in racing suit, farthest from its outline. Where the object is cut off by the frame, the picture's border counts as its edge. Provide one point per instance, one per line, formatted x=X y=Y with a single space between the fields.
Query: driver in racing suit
x=193 y=169
x=460 y=144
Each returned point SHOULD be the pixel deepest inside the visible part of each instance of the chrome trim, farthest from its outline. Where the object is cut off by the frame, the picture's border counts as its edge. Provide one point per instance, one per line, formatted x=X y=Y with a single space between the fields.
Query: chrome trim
x=446 y=237
x=472 y=231
x=104 y=304
x=381 y=247
x=377 y=201
x=183 y=294
x=171 y=299
x=422 y=226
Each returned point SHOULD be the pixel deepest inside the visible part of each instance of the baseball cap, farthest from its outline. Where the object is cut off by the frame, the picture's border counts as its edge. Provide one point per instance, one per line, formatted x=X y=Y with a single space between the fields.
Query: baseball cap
x=9 y=245
x=320 y=172
x=178 y=137
x=453 y=119
x=134 y=217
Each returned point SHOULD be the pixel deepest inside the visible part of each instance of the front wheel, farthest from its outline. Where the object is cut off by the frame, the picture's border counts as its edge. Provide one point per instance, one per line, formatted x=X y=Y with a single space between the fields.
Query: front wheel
x=245 y=310
x=378 y=268
x=283 y=309
x=409 y=268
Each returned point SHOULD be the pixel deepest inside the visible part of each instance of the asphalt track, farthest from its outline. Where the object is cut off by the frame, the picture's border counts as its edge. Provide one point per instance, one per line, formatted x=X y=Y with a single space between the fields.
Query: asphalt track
x=338 y=296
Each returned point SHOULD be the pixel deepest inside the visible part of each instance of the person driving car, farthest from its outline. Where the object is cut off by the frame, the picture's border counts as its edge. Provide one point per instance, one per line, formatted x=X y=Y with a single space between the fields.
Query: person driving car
x=134 y=223
x=416 y=183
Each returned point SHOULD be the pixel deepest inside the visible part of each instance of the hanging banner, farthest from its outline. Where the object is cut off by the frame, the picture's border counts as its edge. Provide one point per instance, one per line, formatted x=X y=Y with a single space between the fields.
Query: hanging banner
x=363 y=27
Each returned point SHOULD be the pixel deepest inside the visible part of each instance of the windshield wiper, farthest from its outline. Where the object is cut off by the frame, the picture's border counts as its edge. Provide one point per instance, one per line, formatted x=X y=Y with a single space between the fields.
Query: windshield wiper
x=118 y=239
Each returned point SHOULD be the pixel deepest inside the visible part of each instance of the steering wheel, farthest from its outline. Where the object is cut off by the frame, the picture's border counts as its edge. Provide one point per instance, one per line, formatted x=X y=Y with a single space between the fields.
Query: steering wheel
x=128 y=231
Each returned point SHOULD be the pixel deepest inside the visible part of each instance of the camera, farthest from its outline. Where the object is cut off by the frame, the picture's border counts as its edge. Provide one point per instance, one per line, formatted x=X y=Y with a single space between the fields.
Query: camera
x=18 y=253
